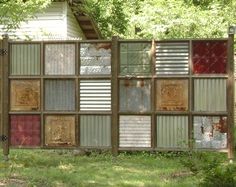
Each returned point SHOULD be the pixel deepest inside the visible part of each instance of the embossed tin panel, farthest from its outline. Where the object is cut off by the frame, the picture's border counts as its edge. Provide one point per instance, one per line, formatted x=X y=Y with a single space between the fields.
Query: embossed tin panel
x=172 y=131
x=172 y=58
x=209 y=57
x=210 y=95
x=95 y=59
x=95 y=130
x=95 y=95
x=25 y=95
x=59 y=130
x=59 y=95
x=135 y=95
x=25 y=130
x=25 y=59
x=135 y=131
x=60 y=59
x=210 y=132
x=172 y=95
x=135 y=58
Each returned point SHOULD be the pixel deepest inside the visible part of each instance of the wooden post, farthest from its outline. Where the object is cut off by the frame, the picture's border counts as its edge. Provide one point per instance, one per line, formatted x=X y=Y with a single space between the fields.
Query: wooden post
x=115 y=100
x=230 y=95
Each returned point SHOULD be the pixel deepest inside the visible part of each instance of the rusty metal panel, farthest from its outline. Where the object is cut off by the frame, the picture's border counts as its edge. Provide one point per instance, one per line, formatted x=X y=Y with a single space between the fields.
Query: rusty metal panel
x=95 y=130
x=60 y=130
x=135 y=58
x=210 y=95
x=59 y=95
x=210 y=132
x=209 y=57
x=95 y=95
x=172 y=95
x=25 y=95
x=172 y=58
x=95 y=59
x=135 y=131
x=25 y=59
x=172 y=131
x=135 y=95
x=60 y=59
x=25 y=130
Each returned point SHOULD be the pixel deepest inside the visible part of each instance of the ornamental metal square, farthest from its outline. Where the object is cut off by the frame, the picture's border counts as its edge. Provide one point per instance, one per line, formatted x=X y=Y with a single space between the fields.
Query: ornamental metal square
x=3 y=52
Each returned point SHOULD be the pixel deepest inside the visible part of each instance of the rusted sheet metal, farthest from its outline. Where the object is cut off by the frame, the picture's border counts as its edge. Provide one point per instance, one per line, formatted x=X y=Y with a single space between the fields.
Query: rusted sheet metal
x=25 y=59
x=209 y=57
x=59 y=95
x=210 y=95
x=210 y=132
x=172 y=131
x=95 y=59
x=172 y=95
x=95 y=95
x=25 y=95
x=135 y=131
x=60 y=59
x=95 y=130
x=172 y=58
x=135 y=95
x=135 y=58
x=25 y=130
x=59 y=130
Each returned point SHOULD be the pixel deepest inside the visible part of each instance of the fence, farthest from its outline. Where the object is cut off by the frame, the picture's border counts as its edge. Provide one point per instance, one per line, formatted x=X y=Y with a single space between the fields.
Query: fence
x=118 y=94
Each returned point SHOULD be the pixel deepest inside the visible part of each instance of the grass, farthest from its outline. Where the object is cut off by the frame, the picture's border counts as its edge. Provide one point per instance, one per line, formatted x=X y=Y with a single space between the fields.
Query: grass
x=64 y=168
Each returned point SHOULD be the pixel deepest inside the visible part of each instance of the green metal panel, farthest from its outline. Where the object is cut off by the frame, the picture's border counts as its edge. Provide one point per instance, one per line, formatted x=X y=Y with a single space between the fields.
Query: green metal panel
x=172 y=131
x=25 y=59
x=95 y=130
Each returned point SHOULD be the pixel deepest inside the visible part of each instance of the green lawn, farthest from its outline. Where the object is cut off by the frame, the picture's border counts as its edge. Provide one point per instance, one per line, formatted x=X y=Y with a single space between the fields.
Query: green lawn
x=64 y=168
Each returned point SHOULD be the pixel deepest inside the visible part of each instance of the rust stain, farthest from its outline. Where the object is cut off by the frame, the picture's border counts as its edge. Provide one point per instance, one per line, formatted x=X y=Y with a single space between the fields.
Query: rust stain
x=25 y=95
x=172 y=95
x=59 y=130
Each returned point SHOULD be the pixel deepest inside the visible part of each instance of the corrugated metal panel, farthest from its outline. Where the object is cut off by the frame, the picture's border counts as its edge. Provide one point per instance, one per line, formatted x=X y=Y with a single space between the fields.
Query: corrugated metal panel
x=25 y=130
x=172 y=58
x=59 y=59
x=135 y=95
x=25 y=59
x=135 y=131
x=210 y=95
x=60 y=130
x=135 y=58
x=210 y=132
x=95 y=95
x=95 y=130
x=59 y=95
x=172 y=131
x=95 y=59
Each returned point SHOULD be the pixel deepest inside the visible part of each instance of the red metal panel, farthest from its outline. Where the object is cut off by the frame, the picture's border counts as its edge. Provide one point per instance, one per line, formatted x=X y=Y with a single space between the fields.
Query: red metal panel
x=209 y=57
x=25 y=130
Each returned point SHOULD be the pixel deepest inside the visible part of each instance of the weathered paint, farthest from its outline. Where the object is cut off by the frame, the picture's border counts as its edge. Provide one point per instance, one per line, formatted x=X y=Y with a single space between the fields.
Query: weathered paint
x=95 y=95
x=60 y=130
x=135 y=58
x=210 y=132
x=60 y=59
x=172 y=58
x=95 y=130
x=172 y=95
x=59 y=95
x=172 y=131
x=135 y=131
x=210 y=95
x=25 y=95
x=135 y=95
x=95 y=59
x=25 y=130
x=209 y=57
x=25 y=59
